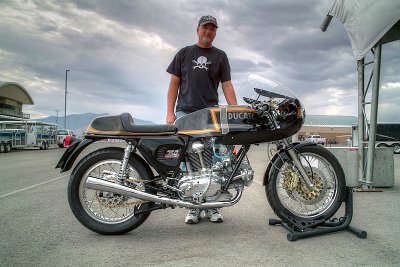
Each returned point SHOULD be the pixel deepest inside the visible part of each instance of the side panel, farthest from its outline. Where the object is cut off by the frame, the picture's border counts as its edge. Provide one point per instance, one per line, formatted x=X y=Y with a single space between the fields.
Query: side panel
x=163 y=153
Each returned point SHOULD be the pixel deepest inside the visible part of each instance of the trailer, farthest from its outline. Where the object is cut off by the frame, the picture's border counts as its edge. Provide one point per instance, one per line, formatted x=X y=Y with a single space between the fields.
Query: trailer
x=22 y=134
x=12 y=138
x=387 y=135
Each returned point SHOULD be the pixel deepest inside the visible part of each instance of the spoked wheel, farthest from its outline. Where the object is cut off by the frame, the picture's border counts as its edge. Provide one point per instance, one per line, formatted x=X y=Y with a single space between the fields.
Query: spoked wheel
x=288 y=195
x=106 y=212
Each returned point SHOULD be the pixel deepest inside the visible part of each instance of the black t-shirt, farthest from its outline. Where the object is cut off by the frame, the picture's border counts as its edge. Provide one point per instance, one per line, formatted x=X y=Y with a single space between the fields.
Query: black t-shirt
x=200 y=71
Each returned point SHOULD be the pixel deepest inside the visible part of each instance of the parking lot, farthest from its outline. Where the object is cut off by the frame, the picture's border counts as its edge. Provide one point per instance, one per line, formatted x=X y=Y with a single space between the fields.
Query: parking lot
x=38 y=228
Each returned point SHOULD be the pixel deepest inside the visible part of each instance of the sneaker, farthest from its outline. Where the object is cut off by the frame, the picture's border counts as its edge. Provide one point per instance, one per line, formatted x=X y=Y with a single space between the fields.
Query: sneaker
x=213 y=215
x=193 y=216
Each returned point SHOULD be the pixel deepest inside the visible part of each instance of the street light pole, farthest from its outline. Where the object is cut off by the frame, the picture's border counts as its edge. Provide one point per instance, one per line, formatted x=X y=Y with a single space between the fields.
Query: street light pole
x=57 y=117
x=65 y=103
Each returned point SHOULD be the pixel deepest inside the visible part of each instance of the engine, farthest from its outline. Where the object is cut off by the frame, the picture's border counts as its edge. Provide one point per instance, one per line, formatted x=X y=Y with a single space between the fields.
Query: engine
x=209 y=164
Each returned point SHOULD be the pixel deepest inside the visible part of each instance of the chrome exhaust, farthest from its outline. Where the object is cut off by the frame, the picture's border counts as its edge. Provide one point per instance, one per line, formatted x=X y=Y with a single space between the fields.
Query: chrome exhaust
x=103 y=185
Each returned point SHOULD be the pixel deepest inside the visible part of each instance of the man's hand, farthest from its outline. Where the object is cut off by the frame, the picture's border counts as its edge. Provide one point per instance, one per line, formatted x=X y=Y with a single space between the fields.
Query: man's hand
x=171 y=118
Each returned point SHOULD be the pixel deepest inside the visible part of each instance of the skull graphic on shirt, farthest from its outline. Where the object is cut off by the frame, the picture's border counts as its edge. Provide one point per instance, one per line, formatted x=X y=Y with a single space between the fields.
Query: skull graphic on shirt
x=201 y=63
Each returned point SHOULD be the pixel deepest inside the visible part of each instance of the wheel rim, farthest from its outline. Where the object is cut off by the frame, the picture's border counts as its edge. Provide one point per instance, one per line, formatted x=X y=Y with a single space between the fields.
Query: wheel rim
x=107 y=207
x=293 y=194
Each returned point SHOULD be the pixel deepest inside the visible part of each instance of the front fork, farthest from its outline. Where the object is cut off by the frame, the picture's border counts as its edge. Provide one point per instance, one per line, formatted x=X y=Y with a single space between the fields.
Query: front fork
x=296 y=160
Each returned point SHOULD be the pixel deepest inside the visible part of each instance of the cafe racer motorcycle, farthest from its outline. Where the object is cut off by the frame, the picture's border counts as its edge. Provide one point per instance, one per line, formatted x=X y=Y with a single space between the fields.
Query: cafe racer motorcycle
x=201 y=162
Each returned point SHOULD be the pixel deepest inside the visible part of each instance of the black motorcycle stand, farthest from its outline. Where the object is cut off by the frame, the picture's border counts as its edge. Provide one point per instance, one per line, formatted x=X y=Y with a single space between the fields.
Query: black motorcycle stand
x=300 y=230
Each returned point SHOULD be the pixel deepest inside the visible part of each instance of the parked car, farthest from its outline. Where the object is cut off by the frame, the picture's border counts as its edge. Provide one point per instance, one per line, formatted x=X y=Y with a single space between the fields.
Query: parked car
x=316 y=139
x=61 y=135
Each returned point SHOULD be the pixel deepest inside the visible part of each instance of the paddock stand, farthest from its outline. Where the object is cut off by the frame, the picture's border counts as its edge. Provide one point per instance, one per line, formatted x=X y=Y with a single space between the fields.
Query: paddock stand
x=299 y=229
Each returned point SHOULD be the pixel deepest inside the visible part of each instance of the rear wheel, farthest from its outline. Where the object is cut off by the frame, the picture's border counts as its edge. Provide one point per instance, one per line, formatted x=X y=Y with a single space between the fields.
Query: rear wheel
x=106 y=212
x=288 y=195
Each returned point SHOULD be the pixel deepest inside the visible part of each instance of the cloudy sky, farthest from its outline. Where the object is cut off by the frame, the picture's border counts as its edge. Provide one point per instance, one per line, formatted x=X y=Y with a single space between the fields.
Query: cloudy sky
x=117 y=52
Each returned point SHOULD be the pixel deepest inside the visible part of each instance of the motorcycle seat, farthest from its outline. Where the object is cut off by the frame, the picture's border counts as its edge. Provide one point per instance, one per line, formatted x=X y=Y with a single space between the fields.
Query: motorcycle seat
x=123 y=125
x=130 y=126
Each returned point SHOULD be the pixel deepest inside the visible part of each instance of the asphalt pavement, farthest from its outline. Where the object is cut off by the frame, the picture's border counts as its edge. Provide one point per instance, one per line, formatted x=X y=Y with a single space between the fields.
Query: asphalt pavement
x=38 y=228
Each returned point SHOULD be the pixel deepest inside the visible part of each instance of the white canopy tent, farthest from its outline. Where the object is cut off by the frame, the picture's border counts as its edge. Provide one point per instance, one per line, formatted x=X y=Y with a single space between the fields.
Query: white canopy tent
x=369 y=24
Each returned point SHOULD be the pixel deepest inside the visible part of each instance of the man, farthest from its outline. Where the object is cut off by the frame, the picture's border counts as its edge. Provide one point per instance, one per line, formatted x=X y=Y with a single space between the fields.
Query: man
x=196 y=72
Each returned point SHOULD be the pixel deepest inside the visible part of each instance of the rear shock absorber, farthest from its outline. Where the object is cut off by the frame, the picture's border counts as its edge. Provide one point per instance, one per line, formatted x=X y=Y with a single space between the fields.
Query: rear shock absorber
x=123 y=172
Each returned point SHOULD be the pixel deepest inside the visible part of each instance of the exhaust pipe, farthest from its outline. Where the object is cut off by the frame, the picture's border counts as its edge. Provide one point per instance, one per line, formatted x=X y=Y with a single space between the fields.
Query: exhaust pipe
x=103 y=185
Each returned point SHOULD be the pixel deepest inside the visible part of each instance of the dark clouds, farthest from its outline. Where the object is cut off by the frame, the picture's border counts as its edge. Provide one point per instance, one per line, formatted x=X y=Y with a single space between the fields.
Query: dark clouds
x=118 y=51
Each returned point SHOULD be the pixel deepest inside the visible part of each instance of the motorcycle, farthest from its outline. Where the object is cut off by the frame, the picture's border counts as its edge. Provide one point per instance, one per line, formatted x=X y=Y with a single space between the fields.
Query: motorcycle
x=201 y=162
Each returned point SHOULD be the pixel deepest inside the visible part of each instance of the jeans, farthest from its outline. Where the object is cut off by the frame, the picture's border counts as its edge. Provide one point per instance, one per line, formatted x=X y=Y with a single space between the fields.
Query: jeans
x=179 y=114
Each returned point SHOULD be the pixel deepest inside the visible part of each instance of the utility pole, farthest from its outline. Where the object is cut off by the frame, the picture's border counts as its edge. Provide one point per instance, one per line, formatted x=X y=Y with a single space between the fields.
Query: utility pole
x=57 y=117
x=65 y=102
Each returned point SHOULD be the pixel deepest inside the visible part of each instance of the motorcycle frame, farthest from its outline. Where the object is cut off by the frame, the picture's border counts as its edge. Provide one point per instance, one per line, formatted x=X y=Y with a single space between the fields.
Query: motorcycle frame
x=73 y=151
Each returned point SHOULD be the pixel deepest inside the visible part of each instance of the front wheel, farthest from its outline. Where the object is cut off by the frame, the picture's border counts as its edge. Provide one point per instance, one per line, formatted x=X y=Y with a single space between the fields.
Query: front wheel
x=106 y=212
x=290 y=198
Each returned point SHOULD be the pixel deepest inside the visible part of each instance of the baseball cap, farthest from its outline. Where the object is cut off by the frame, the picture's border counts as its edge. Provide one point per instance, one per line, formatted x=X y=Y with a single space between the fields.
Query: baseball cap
x=208 y=19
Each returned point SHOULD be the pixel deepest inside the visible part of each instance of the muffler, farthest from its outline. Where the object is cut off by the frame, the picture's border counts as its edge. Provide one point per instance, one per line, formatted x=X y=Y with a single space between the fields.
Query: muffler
x=103 y=185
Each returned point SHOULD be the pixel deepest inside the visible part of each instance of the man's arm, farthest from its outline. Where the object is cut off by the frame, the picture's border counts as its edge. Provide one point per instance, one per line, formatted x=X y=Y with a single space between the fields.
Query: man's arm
x=229 y=93
x=171 y=98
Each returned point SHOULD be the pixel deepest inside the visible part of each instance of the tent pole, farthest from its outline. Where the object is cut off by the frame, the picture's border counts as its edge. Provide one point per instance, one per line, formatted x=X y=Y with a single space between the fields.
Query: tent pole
x=361 y=125
x=374 y=114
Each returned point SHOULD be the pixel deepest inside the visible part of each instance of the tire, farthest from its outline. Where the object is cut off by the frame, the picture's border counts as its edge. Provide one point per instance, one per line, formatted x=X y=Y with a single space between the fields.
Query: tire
x=8 y=147
x=292 y=200
x=396 y=148
x=2 y=147
x=92 y=207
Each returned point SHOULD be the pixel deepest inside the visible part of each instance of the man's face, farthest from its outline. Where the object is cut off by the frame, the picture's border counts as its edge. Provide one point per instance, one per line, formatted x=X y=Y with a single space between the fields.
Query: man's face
x=206 y=34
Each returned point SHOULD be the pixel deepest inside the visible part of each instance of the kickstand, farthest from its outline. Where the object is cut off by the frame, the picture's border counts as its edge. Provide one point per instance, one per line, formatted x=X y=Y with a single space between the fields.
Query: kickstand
x=333 y=225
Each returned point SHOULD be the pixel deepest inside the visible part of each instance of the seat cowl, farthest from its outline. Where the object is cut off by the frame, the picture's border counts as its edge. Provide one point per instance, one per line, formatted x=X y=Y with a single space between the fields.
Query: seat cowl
x=107 y=123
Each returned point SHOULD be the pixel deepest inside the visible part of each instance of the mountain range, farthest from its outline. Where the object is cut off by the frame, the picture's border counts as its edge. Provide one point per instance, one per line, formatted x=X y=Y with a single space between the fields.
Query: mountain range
x=78 y=123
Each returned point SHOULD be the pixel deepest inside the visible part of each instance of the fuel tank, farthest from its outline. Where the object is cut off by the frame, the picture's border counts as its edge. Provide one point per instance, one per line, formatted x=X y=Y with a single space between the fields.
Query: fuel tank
x=239 y=125
x=216 y=121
